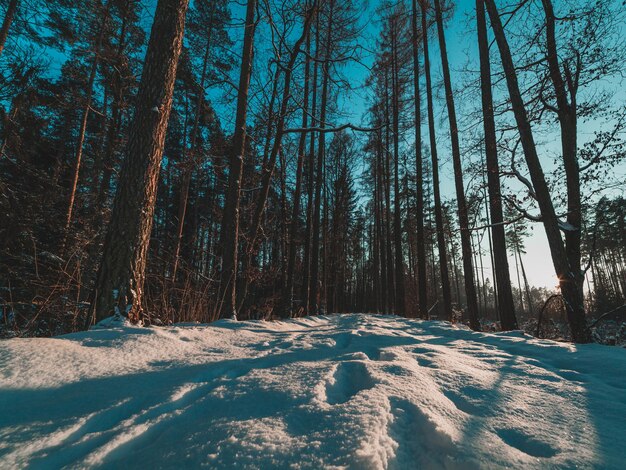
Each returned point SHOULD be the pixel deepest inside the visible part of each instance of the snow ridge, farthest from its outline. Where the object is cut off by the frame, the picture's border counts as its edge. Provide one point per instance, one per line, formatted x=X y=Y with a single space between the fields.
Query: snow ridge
x=345 y=391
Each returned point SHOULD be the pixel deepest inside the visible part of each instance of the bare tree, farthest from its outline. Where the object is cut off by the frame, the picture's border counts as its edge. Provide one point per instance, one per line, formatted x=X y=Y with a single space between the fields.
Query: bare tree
x=466 y=243
x=500 y=258
x=229 y=239
x=441 y=241
x=570 y=290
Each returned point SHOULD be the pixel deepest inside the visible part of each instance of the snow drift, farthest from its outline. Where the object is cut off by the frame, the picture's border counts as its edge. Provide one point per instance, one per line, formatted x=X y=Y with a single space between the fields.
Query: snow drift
x=347 y=391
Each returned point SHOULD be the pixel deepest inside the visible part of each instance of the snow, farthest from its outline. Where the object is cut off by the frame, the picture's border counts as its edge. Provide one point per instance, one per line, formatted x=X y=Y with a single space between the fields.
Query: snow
x=345 y=391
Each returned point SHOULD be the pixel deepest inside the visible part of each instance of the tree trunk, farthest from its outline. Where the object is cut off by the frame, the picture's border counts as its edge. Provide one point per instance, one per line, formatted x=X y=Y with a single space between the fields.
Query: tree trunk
x=85 y=117
x=572 y=294
x=120 y=280
x=466 y=243
x=505 y=302
x=8 y=21
x=568 y=121
x=306 y=277
x=189 y=165
x=315 y=243
x=397 y=224
x=422 y=295
x=268 y=170
x=287 y=308
x=441 y=241
x=229 y=238
x=526 y=287
x=518 y=256
x=103 y=166
x=383 y=240
x=391 y=285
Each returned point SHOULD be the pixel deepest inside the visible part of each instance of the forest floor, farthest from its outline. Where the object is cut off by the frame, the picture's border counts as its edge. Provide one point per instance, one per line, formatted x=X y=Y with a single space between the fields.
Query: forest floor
x=345 y=391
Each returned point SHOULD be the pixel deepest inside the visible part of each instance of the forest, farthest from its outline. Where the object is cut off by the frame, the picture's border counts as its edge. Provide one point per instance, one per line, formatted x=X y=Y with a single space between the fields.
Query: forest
x=313 y=234
x=189 y=160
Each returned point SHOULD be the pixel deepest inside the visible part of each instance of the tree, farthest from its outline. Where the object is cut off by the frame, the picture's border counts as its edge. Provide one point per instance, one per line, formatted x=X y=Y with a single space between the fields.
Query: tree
x=466 y=244
x=288 y=292
x=441 y=242
x=501 y=264
x=7 y=22
x=104 y=16
x=208 y=18
x=121 y=276
x=419 y=171
x=269 y=167
x=570 y=290
x=400 y=304
x=229 y=238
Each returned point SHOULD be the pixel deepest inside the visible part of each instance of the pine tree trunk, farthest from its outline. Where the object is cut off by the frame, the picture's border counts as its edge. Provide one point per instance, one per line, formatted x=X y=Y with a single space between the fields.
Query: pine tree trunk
x=382 y=236
x=518 y=256
x=466 y=244
x=120 y=280
x=103 y=167
x=422 y=293
x=308 y=241
x=503 y=281
x=85 y=116
x=397 y=225
x=8 y=21
x=391 y=285
x=287 y=301
x=229 y=238
x=526 y=287
x=315 y=243
x=441 y=242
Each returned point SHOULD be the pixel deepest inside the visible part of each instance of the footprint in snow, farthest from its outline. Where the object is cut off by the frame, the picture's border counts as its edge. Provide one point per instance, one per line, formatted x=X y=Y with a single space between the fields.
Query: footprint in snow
x=421 y=442
x=423 y=361
x=466 y=400
x=349 y=379
x=527 y=444
x=377 y=354
x=343 y=340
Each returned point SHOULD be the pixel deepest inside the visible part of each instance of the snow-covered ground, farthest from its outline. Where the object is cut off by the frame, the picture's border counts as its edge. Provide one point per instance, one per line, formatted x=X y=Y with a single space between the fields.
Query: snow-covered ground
x=349 y=391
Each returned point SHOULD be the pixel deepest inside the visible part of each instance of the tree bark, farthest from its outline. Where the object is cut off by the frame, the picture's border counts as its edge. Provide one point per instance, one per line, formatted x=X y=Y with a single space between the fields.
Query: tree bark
x=422 y=295
x=397 y=224
x=506 y=304
x=120 y=279
x=229 y=238
x=308 y=241
x=441 y=241
x=391 y=285
x=319 y=176
x=189 y=165
x=466 y=243
x=287 y=308
x=7 y=22
x=568 y=121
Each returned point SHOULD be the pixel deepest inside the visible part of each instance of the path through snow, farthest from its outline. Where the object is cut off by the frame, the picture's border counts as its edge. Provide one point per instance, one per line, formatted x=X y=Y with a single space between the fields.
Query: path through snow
x=348 y=391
